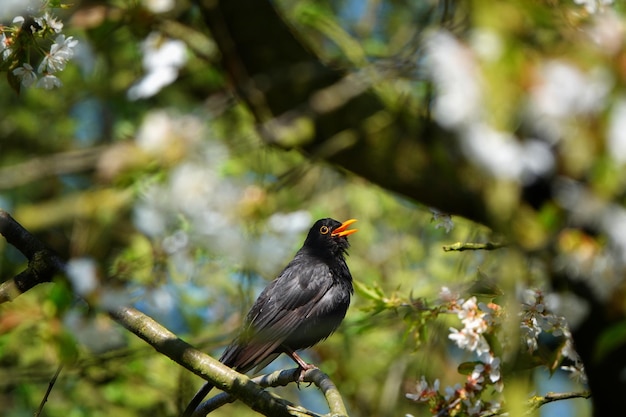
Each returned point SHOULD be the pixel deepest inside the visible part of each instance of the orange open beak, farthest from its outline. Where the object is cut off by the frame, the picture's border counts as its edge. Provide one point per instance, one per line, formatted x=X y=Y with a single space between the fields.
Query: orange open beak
x=341 y=230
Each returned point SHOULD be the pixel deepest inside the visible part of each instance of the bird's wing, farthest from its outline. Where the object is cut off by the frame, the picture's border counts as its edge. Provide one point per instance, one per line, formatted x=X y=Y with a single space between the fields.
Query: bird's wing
x=277 y=312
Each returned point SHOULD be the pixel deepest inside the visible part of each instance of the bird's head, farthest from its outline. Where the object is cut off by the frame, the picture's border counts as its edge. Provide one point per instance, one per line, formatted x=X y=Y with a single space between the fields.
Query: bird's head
x=329 y=237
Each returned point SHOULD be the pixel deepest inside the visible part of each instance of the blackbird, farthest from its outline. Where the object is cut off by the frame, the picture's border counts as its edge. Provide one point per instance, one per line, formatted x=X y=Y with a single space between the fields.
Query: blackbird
x=302 y=306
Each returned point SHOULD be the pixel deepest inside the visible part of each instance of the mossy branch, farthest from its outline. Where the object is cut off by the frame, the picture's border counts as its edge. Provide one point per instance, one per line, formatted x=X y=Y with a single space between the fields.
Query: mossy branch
x=280 y=379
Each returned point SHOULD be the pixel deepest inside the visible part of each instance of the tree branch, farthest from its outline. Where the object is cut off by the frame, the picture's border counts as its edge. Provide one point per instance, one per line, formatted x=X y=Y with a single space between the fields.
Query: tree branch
x=48 y=391
x=57 y=164
x=460 y=246
x=44 y=264
x=536 y=402
x=201 y=364
x=280 y=379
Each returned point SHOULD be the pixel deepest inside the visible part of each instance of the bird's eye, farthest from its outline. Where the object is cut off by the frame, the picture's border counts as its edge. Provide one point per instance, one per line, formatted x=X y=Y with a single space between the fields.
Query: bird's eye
x=324 y=230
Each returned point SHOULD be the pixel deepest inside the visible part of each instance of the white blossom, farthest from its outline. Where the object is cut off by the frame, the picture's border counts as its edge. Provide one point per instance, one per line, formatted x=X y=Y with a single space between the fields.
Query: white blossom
x=447 y=295
x=607 y=31
x=63 y=46
x=491 y=366
x=474 y=409
x=503 y=155
x=82 y=275
x=616 y=136
x=60 y=52
x=480 y=318
x=51 y=21
x=159 y=6
x=424 y=391
x=295 y=222
x=471 y=316
x=577 y=372
x=476 y=379
x=5 y=43
x=487 y=43
x=162 y=59
x=26 y=74
x=48 y=82
x=93 y=331
x=450 y=392
x=455 y=73
x=469 y=339
x=594 y=6
x=564 y=90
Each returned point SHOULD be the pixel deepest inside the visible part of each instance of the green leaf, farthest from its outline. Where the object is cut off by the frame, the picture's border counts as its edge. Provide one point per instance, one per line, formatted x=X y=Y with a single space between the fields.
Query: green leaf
x=373 y=293
x=466 y=368
x=611 y=339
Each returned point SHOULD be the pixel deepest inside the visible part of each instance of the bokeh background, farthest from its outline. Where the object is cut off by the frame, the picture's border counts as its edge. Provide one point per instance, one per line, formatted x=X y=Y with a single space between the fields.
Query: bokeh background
x=147 y=172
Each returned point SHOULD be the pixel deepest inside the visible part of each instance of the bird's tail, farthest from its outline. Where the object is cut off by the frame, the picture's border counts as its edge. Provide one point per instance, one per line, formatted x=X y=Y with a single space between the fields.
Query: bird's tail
x=197 y=399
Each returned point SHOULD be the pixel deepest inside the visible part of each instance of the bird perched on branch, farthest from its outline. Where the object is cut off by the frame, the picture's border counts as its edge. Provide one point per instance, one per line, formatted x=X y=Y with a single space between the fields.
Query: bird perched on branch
x=302 y=306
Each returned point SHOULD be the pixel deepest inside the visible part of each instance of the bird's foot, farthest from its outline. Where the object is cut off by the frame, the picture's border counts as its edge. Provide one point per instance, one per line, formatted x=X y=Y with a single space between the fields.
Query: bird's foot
x=304 y=369
x=302 y=365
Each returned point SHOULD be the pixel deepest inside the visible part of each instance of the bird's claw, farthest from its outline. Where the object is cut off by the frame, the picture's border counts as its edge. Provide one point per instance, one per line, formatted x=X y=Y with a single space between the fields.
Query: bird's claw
x=301 y=372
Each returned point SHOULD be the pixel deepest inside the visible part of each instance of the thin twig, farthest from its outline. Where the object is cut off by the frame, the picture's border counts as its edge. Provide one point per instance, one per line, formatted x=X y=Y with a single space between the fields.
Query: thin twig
x=460 y=246
x=46 y=166
x=48 y=391
x=536 y=402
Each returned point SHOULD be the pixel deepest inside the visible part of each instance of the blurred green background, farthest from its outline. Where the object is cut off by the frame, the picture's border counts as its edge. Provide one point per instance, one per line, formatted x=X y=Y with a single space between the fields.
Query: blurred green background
x=182 y=210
